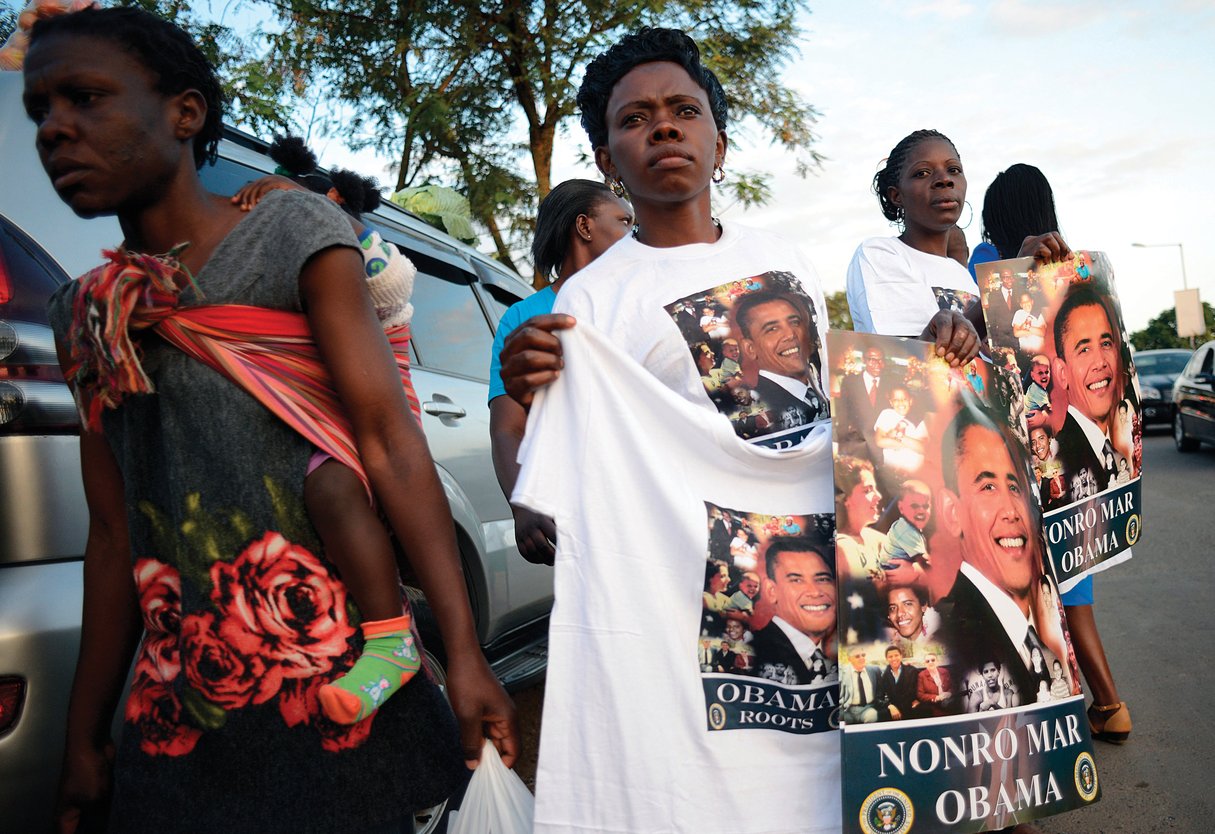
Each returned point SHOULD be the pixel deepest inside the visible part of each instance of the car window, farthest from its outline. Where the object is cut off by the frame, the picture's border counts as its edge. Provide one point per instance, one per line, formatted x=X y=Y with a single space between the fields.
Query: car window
x=450 y=332
x=226 y=177
x=1207 y=361
x=497 y=302
x=1161 y=363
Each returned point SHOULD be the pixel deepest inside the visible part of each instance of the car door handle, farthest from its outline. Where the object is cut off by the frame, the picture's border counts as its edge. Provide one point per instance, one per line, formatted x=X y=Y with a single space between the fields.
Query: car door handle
x=443 y=409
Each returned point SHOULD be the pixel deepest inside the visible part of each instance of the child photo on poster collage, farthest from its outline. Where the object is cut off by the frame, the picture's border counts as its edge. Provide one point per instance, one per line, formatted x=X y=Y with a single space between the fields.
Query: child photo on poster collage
x=945 y=607
x=757 y=345
x=1059 y=328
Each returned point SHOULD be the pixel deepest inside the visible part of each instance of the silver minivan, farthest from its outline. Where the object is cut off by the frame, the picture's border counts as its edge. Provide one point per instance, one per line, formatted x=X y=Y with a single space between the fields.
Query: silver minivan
x=459 y=295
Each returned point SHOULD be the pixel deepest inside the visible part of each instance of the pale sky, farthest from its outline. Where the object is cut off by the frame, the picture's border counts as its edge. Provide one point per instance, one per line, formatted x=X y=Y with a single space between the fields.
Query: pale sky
x=1114 y=101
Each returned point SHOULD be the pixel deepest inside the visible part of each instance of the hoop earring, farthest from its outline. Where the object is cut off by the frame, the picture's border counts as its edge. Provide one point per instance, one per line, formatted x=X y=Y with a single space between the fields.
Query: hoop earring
x=617 y=187
x=970 y=219
x=719 y=175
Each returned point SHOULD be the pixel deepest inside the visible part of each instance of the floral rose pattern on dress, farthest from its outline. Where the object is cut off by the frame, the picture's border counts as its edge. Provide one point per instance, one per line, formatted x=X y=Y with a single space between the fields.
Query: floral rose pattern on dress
x=159 y=588
x=279 y=628
x=279 y=601
x=153 y=705
x=299 y=705
x=155 y=709
x=219 y=671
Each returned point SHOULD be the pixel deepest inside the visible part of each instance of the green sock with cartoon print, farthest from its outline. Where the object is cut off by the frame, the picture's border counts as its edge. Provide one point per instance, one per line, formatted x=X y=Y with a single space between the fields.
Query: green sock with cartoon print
x=389 y=660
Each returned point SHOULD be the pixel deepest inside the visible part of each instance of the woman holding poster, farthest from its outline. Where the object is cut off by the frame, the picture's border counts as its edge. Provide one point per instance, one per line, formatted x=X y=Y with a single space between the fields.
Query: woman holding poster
x=895 y=285
x=656 y=120
x=1019 y=203
x=998 y=609
x=983 y=666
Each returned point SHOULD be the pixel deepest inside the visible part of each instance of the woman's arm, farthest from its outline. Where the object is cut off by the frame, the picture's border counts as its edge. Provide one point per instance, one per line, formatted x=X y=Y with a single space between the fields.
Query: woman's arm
x=252 y=193
x=531 y=357
x=402 y=474
x=535 y=534
x=110 y=629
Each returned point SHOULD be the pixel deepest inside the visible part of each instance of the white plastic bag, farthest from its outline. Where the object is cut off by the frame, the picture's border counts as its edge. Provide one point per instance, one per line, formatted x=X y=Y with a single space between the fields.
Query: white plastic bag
x=496 y=801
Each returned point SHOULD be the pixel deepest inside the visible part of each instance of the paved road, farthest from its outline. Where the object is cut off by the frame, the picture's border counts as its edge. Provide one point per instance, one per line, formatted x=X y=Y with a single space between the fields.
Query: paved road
x=1156 y=618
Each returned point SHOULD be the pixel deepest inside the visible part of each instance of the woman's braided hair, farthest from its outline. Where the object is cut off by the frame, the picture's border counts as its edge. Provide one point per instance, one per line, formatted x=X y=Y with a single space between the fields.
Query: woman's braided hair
x=892 y=172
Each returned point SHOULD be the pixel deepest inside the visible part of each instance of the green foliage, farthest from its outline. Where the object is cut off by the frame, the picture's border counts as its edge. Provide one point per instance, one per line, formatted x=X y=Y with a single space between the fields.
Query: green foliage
x=445 y=86
x=257 y=84
x=8 y=21
x=748 y=187
x=1161 y=332
x=838 y=315
x=473 y=94
x=441 y=207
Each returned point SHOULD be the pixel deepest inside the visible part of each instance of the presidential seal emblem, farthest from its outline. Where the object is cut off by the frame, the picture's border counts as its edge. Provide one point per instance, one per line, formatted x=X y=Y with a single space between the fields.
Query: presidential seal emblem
x=1132 y=530
x=1085 y=774
x=887 y=811
x=717 y=717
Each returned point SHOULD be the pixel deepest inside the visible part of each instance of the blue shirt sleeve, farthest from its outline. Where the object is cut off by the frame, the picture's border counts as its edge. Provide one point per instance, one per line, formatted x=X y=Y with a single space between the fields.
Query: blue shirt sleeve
x=984 y=253
x=534 y=305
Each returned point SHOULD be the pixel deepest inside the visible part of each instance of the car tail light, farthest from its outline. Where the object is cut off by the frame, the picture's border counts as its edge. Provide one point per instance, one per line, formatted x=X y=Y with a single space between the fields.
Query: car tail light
x=6 y=285
x=33 y=396
x=12 y=697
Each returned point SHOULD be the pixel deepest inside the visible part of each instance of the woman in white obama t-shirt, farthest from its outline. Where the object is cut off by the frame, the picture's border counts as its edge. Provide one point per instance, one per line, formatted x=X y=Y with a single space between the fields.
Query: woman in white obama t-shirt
x=656 y=120
x=897 y=284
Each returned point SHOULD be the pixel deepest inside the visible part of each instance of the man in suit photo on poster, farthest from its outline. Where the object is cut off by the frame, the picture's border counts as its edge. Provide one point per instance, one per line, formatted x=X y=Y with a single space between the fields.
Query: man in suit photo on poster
x=1089 y=364
x=798 y=645
x=1001 y=305
x=860 y=690
x=757 y=350
x=866 y=395
x=777 y=338
x=898 y=686
x=1001 y=607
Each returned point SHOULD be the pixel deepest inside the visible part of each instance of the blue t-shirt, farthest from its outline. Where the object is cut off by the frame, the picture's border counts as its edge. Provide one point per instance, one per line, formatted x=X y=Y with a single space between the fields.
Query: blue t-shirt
x=536 y=304
x=984 y=253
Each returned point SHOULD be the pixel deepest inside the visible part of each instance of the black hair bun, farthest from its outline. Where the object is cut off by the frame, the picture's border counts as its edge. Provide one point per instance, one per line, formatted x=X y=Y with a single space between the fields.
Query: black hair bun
x=293 y=155
x=359 y=194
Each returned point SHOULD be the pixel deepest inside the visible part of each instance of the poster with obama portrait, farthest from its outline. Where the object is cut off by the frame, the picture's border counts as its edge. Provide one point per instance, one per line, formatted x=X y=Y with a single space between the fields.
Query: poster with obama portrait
x=758 y=348
x=1067 y=344
x=960 y=701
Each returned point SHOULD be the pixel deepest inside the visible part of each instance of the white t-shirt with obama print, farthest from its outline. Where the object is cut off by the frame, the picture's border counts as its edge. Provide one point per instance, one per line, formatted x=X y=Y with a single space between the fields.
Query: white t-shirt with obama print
x=642 y=733
x=649 y=303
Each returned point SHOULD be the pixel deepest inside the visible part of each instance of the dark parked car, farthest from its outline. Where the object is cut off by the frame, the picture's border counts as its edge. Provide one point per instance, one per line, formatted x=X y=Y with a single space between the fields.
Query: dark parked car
x=1194 y=401
x=1157 y=370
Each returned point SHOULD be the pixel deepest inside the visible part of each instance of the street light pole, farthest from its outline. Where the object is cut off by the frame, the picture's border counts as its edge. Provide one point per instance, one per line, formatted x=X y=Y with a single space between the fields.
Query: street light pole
x=1180 y=249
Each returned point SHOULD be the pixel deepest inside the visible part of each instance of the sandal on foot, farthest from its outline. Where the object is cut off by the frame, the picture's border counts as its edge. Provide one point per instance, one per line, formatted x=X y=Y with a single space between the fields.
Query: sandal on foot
x=1110 y=722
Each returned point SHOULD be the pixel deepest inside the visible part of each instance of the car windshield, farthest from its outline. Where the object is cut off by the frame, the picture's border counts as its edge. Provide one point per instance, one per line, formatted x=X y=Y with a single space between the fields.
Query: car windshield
x=1161 y=363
